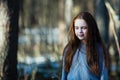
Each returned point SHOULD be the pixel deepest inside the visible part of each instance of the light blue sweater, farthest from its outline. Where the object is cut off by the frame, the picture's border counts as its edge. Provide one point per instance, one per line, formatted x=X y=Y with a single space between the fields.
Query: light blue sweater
x=79 y=69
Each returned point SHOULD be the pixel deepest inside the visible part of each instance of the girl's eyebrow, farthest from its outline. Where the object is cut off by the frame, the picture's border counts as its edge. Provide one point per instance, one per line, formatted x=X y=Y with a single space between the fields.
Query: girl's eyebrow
x=84 y=26
x=76 y=26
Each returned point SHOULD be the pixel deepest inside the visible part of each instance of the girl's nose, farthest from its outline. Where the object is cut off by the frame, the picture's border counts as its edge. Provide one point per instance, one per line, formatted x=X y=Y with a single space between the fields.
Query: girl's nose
x=80 y=30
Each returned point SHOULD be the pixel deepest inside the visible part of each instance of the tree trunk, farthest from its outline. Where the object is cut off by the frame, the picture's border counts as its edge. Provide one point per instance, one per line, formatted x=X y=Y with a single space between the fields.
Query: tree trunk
x=4 y=25
x=10 y=65
x=102 y=18
x=68 y=11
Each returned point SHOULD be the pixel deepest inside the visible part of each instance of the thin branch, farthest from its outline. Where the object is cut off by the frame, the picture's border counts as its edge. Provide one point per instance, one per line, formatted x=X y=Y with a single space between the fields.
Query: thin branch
x=115 y=22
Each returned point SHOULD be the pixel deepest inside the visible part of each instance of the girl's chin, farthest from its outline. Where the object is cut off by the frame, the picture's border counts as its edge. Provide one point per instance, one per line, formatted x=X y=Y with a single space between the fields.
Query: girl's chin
x=80 y=38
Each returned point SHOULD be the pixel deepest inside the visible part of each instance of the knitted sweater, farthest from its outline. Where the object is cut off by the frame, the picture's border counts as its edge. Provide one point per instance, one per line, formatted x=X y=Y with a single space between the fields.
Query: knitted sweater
x=79 y=69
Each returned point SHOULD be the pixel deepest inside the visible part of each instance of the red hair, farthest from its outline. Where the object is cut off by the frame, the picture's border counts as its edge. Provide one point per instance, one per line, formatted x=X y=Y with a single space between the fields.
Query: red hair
x=93 y=37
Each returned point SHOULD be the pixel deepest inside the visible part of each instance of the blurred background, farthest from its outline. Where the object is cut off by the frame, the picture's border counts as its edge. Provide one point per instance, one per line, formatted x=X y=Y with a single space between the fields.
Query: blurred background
x=43 y=27
x=43 y=34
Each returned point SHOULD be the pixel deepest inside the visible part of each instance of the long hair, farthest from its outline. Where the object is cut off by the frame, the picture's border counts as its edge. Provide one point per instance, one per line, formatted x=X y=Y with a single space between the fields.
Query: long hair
x=93 y=37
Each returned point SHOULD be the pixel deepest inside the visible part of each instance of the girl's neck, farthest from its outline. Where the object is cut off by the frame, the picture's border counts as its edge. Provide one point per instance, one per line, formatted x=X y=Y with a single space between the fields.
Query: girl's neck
x=83 y=42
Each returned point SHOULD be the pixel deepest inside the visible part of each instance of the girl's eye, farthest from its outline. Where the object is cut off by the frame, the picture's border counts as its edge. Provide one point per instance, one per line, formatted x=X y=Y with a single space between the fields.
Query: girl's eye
x=84 y=27
x=76 y=27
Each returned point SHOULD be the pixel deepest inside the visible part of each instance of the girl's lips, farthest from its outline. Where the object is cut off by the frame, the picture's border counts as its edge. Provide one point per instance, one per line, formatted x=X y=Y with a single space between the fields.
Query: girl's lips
x=81 y=34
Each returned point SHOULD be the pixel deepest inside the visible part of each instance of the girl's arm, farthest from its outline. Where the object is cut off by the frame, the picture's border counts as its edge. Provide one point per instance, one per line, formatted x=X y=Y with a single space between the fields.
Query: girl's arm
x=102 y=67
x=104 y=74
x=64 y=73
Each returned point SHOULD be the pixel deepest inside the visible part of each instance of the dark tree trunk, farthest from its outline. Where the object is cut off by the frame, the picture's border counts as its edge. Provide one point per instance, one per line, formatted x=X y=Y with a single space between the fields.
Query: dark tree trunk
x=10 y=65
x=102 y=19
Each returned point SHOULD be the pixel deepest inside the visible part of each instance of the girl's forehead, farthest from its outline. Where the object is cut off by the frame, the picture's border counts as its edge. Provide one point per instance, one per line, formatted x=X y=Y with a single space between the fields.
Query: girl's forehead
x=80 y=22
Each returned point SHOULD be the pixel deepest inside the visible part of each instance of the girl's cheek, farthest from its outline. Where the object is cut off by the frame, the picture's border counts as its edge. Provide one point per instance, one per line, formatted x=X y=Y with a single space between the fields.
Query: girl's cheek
x=85 y=31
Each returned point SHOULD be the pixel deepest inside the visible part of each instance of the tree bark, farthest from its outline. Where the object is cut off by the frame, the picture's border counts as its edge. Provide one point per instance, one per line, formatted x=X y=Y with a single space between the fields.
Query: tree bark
x=10 y=65
x=4 y=25
x=102 y=18
x=68 y=11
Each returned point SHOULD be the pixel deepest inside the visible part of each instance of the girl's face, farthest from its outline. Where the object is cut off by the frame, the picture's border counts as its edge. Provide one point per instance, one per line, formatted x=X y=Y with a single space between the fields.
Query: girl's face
x=81 y=29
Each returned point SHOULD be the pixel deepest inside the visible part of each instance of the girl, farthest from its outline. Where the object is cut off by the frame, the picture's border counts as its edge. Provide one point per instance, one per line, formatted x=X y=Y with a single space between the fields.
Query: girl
x=85 y=57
